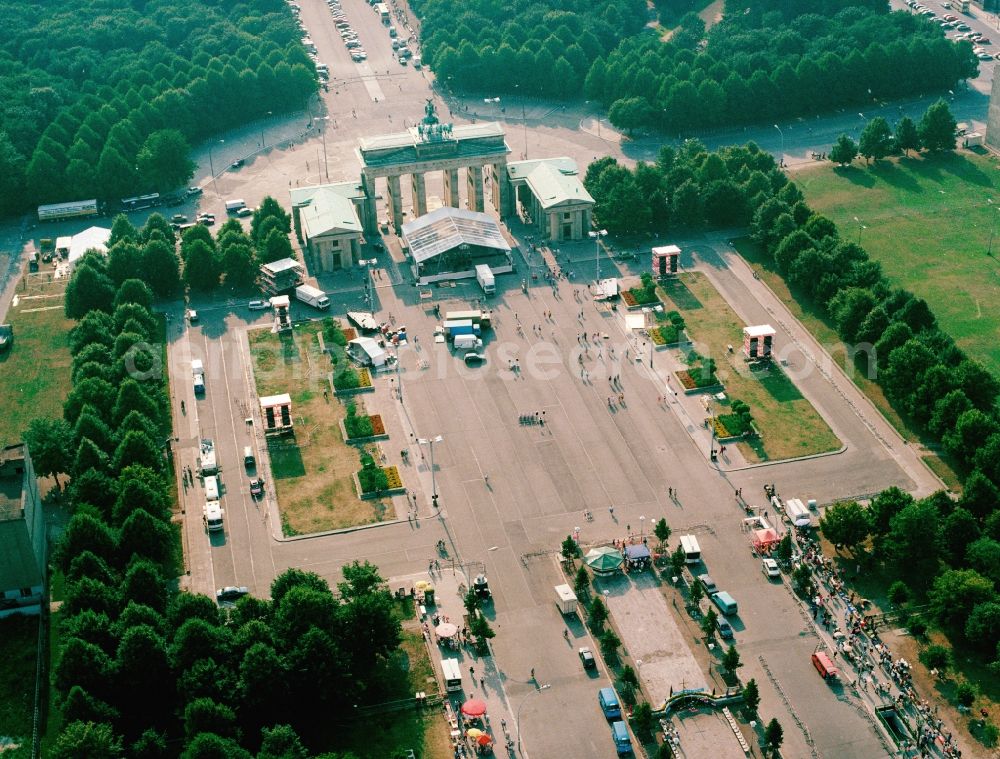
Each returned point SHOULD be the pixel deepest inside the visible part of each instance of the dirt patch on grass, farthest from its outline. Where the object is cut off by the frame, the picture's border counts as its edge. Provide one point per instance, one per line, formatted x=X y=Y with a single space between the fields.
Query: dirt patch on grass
x=789 y=425
x=312 y=470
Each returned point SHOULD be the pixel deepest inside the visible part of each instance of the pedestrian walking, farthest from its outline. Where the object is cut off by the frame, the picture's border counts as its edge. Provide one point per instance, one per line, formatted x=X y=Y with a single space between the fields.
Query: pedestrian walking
x=472 y=672
x=482 y=683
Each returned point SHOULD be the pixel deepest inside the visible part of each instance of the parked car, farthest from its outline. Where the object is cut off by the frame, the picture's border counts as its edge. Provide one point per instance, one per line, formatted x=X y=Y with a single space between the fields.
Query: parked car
x=237 y=164
x=770 y=568
x=179 y=218
x=474 y=359
x=256 y=488
x=244 y=212
x=231 y=593
x=725 y=629
x=195 y=191
x=707 y=583
x=587 y=657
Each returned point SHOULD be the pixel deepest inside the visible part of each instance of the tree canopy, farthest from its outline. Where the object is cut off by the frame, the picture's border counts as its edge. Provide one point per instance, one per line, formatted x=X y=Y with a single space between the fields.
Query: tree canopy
x=102 y=99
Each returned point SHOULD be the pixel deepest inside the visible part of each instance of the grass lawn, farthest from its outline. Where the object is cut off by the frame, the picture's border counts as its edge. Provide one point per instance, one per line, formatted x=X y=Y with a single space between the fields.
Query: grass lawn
x=313 y=469
x=788 y=423
x=426 y=732
x=813 y=320
x=17 y=676
x=928 y=222
x=34 y=374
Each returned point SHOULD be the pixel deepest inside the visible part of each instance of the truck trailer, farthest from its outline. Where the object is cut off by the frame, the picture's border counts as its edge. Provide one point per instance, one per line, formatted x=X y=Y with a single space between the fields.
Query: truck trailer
x=312 y=296
x=565 y=599
x=485 y=278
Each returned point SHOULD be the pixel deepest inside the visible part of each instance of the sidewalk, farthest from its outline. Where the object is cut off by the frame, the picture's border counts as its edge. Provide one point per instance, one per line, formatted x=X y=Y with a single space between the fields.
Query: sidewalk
x=480 y=676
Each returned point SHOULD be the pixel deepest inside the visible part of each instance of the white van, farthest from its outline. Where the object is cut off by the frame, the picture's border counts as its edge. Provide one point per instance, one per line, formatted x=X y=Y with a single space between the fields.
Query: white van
x=452 y=675
x=213 y=516
x=232 y=206
x=692 y=551
x=212 y=488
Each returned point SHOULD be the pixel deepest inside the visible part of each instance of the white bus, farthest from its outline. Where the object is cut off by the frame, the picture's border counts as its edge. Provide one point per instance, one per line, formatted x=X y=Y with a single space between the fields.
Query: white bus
x=452 y=675
x=74 y=210
x=692 y=551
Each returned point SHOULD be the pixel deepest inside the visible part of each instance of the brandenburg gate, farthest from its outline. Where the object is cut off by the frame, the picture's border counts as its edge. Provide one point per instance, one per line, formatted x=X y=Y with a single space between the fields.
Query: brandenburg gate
x=432 y=146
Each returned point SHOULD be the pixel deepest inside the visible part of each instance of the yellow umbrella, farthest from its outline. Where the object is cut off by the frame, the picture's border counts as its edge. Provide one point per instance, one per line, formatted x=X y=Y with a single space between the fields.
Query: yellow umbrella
x=474 y=732
x=423 y=585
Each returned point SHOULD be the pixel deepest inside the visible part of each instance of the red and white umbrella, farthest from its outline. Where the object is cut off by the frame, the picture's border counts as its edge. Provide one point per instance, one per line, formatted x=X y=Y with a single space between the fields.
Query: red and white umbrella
x=474 y=707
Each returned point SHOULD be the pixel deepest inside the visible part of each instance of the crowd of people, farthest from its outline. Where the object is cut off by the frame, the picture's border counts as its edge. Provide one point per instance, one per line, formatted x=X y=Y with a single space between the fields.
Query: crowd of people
x=858 y=645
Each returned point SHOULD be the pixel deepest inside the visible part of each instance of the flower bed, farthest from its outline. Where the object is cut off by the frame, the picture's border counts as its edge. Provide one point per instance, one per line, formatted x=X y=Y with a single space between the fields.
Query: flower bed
x=378 y=428
x=350 y=333
x=350 y=378
x=700 y=373
x=392 y=477
x=357 y=426
x=738 y=423
x=372 y=478
x=643 y=295
x=668 y=334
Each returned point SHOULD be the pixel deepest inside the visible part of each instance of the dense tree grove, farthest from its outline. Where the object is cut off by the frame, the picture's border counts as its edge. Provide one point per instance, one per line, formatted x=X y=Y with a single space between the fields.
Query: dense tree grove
x=949 y=549
x=102 y=99
x=530 y=48
x=769 y=60
x=142 y=667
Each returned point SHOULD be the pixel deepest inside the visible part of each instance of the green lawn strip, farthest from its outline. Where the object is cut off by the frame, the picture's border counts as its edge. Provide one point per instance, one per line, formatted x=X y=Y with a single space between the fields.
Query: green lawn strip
x=17 y=676
x=409 y=672
x=928 y=222
x=312 y=470
x=813 y=320
x=35 y=372
x=788 y=423
x=53 y=716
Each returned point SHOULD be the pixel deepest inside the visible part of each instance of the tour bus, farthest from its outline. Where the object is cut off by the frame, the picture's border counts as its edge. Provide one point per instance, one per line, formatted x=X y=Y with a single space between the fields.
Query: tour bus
x=452 y=675
x=141 y=202
x=73 y=210
x=692 y=551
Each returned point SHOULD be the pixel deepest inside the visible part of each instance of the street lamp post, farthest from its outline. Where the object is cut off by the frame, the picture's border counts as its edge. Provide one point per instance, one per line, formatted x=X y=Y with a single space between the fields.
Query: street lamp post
x=431 y=442
x=211 y=167
x=782 y=140
x=861 y=228
x=517 y=718
x=262 y=143
x=322 y=131
x=993 y=227
x=642 y=527
x=596 y=236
